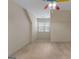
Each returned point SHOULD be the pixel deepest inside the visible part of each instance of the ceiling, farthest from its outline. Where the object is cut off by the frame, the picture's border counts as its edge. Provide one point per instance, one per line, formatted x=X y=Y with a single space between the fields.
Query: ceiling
x=36 y=7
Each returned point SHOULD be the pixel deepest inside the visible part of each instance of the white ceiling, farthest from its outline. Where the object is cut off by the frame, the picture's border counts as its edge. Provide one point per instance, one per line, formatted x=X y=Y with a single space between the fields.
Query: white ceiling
x=36 y=7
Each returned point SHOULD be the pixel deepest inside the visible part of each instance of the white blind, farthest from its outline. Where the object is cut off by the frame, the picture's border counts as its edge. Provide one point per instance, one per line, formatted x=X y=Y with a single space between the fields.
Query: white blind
x=43 y=27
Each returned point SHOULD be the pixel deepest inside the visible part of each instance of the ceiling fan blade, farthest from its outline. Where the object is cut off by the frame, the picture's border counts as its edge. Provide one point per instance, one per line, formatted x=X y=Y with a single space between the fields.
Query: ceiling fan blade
x=46 y=6
x=57 y=7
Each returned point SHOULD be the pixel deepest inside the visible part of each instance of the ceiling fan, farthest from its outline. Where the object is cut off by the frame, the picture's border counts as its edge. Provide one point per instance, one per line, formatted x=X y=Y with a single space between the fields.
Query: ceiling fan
x=53 y=4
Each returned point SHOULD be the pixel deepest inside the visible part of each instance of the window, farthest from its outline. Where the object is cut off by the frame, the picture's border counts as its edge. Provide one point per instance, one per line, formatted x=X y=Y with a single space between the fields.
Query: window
x=43 y=27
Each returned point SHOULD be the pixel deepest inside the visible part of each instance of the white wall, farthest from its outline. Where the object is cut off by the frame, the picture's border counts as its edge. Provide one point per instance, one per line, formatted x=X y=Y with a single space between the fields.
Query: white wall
x=19 y=28
x=61 y=26
x=34 y=26
x=43 y=36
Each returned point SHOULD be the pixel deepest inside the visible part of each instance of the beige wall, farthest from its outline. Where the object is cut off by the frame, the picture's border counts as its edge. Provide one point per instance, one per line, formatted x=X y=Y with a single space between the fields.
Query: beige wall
x=61 y=26
x=19 y=28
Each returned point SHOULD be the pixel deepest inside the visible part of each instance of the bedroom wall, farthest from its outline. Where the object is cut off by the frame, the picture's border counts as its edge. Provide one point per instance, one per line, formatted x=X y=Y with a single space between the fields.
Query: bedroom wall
x=19 y=27
x=61 y=26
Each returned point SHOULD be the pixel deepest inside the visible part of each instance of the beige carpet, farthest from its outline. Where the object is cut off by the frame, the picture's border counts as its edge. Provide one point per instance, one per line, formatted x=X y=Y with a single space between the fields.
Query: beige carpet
x=45 y=50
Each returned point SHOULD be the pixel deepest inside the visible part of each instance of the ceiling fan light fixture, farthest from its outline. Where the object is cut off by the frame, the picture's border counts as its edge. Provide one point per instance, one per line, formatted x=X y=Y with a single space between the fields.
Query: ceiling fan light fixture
x=54 y=4
x=50 y=5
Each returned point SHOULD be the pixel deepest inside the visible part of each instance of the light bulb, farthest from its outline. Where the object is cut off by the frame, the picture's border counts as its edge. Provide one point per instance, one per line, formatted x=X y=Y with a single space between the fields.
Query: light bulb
x=54 y=5
x=50 y=4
